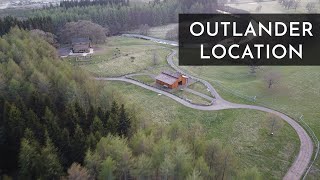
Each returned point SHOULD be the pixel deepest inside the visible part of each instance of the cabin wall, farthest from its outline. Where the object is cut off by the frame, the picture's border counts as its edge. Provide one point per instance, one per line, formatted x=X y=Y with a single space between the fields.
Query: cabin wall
x=166 y=84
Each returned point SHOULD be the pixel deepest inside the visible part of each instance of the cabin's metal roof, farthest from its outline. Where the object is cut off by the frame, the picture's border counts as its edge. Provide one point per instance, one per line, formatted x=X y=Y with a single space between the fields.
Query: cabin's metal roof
x=175 y=74
x=166 y=78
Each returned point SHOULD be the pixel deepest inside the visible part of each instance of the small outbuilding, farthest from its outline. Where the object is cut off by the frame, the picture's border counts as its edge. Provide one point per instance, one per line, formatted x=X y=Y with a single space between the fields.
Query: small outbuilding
x=81 y=45
x=171 y=80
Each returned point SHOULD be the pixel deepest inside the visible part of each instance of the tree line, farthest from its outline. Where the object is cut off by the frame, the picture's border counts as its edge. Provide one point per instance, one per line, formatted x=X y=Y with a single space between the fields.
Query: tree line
x=41 y=22
x=123 y=18
x=164 y=152
x=116 y=18
x=81 y=3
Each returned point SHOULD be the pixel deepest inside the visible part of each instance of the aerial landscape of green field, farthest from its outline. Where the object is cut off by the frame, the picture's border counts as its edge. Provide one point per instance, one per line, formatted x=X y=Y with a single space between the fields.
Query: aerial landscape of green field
x=94 y=90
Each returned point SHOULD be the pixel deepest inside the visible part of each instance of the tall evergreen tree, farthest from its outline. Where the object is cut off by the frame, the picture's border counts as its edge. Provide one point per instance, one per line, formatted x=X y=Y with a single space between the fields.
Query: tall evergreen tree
x=112 y=122
x=108 y=168
x=51 y=167
x=78 y=145
x=29 y=157
x=124 y=123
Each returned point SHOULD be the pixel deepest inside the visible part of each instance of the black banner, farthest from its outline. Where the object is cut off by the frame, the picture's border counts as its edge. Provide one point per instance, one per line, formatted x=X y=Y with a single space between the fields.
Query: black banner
x=249 y=39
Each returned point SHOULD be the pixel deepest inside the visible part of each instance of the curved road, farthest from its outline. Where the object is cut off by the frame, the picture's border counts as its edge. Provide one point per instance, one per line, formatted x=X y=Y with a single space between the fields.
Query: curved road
x=297 y=169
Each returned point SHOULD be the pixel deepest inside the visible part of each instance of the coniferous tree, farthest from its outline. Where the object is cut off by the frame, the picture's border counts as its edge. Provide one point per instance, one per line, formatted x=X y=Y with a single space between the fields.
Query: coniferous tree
x=16 y=122
x=97 y=125
x=51 y=167
x=78 y=145
x=124 y=123
x=112 y=122
x=29 y=157
x=108 y=167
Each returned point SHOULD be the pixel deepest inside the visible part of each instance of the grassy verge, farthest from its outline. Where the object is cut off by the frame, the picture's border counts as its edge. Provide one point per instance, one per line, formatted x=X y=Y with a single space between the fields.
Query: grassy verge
x=197 y=86
x=192 y=97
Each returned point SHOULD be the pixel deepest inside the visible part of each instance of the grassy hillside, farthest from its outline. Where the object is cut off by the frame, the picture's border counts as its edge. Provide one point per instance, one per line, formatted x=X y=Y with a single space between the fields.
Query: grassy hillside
x=122 y=56
x=246 y=131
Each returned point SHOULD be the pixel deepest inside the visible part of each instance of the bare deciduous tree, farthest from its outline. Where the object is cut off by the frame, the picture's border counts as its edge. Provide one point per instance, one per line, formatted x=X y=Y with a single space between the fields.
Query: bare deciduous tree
x=297 y=3
x=274 y=122
x=144 y=29
x=258 y=8
x=311 y=7
x=272 y=78
x=253 y=70
x=155 y=58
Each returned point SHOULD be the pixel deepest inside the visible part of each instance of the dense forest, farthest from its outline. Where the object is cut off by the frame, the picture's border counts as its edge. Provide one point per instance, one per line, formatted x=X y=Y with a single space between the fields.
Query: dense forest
x=43 y=23
x=56 y=110
x=82 y=3
x=116 y=17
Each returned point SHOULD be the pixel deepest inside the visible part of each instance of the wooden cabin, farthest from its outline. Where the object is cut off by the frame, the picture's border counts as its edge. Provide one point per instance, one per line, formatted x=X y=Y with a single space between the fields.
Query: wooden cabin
x=171 y=80
x=81 y=45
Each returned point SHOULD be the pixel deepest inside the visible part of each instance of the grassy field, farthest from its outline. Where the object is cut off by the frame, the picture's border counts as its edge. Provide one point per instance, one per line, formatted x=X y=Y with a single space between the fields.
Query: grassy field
x=245 y=131
x=122 y=56
x=297 y=93
x=159 y=31
x=197 y=86
x=145 y=79
x=273 y=7
x=192 y=98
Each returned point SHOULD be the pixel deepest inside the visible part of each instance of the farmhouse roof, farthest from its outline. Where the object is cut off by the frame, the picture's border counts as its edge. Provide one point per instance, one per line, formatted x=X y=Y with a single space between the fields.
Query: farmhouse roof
x=168 y=77
x=80 y=40
x=81 y=47
x=175 y=75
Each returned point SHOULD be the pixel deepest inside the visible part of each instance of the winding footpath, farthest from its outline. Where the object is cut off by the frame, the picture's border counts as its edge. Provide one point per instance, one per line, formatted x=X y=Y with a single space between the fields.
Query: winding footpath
x=301 y=163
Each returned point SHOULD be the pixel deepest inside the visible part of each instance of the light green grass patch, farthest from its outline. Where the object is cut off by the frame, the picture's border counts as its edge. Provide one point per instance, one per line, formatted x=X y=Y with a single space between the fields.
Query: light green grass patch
x=158 y=31
x=122 y=56
x=145 y=79
x=273 y=7
x=192 y=97
x=198 y=86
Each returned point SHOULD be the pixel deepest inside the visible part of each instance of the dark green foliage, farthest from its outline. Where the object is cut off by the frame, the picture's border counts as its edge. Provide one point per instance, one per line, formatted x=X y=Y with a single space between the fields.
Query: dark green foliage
x=43 y=23
x=112 y=122
x=78 y=145
x=56 y=125
x=36 y=161
x=77 y=3
x=124 y=122
x=118 y=18
x=147 y=156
